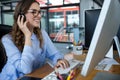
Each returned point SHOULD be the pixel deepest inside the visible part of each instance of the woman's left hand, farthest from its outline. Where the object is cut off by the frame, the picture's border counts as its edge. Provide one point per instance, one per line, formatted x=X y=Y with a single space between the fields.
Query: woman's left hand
x=62 y=63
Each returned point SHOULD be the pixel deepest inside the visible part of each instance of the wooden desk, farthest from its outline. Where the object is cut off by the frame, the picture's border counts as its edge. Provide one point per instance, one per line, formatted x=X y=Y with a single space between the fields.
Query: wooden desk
x=41 y=72
x=115 y=69
x=45 y=70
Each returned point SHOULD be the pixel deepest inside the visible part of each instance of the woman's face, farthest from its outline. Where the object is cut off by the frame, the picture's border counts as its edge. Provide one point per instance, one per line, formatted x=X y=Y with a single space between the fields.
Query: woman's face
x=33 y=15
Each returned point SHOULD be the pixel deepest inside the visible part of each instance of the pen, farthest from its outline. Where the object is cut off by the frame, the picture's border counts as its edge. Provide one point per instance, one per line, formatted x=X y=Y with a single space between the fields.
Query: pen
x=70 y=75
x=74 y=43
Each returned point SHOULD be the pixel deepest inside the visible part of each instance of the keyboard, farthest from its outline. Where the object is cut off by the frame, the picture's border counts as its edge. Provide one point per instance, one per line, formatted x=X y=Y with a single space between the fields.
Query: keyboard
x=73 y=64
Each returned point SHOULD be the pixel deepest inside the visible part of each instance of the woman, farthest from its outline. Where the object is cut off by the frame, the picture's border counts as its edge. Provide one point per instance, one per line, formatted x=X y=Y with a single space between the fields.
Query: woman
x=27 y=46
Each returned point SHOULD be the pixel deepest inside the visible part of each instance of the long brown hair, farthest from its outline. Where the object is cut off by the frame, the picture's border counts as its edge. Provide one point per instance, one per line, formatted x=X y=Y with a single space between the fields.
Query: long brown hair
x=17 y=34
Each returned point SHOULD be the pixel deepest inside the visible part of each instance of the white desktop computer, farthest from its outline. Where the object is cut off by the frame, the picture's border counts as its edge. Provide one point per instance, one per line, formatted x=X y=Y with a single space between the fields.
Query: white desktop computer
x=105 y=31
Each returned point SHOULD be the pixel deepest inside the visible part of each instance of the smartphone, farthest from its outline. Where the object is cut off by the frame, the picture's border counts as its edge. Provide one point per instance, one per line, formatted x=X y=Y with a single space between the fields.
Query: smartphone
x=29 y=78
x=22 y=14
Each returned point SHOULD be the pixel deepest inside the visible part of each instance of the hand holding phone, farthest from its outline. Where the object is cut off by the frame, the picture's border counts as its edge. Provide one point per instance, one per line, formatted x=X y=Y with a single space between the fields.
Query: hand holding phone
x=22 y=23
x=22 y=14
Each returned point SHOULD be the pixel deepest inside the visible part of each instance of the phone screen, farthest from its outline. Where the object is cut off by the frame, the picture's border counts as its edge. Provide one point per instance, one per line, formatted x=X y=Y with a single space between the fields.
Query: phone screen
x=29 y=78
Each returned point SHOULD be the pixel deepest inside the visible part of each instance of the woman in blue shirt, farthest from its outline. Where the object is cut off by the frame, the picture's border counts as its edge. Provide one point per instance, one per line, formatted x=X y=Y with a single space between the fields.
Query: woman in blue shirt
x=28 y=46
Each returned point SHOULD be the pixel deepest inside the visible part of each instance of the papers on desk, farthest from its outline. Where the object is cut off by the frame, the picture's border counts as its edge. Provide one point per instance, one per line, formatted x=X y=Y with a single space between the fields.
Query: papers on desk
x=106 y=64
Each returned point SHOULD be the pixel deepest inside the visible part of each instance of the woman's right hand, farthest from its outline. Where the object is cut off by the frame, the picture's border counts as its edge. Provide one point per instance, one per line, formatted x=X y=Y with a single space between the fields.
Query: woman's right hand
x=23 y=26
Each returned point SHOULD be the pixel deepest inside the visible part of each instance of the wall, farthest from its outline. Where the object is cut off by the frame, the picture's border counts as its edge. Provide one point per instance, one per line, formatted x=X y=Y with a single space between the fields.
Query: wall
x=86 y=4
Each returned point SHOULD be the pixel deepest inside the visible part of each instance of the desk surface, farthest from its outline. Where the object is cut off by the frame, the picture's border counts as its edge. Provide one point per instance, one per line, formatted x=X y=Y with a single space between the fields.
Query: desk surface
x=115 y=69
x=46 y=69
x=41 y=72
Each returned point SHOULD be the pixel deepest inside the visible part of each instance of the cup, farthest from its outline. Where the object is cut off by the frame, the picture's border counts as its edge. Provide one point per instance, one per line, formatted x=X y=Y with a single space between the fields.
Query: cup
x=78 y=50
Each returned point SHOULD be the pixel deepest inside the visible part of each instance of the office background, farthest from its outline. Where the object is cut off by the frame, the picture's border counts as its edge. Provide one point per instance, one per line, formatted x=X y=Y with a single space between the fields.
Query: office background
x=59 y=18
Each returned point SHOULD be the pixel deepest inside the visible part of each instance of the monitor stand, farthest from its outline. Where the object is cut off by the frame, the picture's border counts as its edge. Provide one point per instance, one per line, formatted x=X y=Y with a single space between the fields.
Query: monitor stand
x=110 y=52
x=109 y=58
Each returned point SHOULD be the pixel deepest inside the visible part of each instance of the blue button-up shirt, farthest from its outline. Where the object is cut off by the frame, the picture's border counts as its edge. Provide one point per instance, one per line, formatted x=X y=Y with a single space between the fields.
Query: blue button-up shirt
x=32 y=57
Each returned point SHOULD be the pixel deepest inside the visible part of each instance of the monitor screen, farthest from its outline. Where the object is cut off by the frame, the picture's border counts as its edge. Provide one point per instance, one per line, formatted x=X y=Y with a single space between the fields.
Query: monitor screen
x=106 y=28
x=91 y=18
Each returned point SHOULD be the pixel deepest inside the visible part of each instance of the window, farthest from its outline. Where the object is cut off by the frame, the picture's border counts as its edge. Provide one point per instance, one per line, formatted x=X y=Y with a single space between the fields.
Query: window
x=60 y=17
x=8 y=18
x=71 y=1
x=45 y=3
x=61 y=22
x=57 y=19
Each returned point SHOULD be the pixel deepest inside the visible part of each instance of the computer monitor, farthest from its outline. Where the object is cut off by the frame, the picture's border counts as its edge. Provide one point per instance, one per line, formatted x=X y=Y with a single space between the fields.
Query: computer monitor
x=106 y=28
x=91 y=18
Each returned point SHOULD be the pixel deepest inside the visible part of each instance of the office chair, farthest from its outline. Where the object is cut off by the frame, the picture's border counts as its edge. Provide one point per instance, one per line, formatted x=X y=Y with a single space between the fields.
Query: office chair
x=3 y=57
x=4 y=29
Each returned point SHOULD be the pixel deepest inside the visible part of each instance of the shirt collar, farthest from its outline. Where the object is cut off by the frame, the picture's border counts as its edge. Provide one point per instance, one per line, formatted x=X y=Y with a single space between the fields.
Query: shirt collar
x=33 y=36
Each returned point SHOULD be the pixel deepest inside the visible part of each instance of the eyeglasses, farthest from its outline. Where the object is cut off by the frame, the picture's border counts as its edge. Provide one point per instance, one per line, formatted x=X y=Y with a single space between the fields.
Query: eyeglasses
x=34 y=12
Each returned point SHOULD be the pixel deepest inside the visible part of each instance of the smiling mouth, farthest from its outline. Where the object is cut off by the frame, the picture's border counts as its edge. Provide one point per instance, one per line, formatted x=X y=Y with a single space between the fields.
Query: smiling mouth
x=37 y=20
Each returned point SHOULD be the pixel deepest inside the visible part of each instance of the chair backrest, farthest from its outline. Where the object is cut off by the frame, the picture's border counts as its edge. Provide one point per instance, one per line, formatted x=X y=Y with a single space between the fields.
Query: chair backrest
x=3 y=57
x=4 y=29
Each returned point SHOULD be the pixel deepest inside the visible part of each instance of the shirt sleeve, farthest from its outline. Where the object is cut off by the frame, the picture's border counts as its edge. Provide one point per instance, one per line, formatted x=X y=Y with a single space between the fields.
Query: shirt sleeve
x=22 y=61
x=51 y=51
